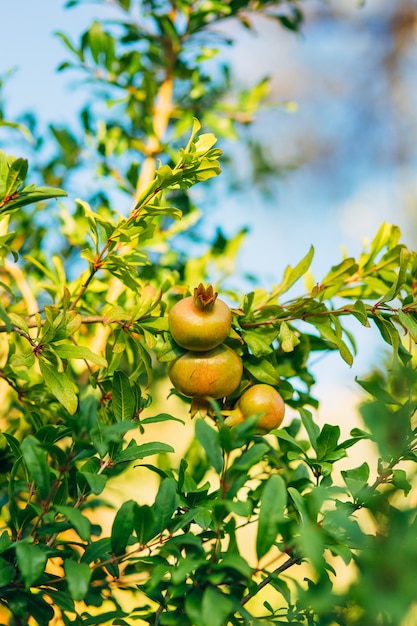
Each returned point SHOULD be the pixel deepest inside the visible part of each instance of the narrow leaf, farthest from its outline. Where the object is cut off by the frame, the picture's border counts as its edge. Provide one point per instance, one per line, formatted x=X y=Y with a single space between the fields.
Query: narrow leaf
x=328 y=333
x=209 y=439
x=135 y=452
x=291 y=275
x=144 y=523
x=16 y=176
x=273 y=503
x=123 y=526
x=36 y=461
x=311 y=427
x=401 y=276
x=166 y=502
x=377 y=391
x=69 y=351
x=123 y=397
x=30 y=195
x=407 y=320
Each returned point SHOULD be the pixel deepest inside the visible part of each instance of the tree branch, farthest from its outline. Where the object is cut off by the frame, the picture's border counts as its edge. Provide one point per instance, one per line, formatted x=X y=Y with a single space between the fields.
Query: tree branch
x=294 y=560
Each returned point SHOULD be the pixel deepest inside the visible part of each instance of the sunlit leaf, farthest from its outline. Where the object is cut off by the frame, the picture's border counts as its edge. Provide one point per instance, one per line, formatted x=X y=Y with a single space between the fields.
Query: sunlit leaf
x=60 y=385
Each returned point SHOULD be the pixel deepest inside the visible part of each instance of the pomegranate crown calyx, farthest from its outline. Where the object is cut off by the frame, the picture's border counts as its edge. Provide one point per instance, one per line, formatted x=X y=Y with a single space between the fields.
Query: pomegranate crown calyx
x=204 y=297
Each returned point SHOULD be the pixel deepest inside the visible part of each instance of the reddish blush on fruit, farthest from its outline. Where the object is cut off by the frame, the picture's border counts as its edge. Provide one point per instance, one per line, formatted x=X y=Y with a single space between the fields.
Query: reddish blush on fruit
x=213 y=373
x=262 y=400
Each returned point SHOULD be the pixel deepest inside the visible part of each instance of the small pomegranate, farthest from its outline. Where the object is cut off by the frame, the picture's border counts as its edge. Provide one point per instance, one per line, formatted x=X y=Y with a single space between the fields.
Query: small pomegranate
x=200 y=322
x=214 y=373
x=262 y=400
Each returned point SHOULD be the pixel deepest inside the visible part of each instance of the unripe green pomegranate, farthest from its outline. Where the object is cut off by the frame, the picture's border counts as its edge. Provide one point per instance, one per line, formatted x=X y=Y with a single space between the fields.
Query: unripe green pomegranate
x=200 y=322
x=214 y=373
x=262 y=400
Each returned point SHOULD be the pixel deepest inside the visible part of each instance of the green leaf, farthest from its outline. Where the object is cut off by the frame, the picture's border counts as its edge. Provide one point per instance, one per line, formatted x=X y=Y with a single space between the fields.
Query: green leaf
x=311 y=427
x=161 y=417
x=23 y=360
x=291 y=275
x=216 y=607
x=193 y=607
x=170 y=351
x=407 y=320
x=401 y=278
x=78 y=577
x=298 y=501
x=30 y=195
x=7 y=572
x=359 y=311
x=288 y=338
x=273 y=503
x=123 y=397
x=95 y=482
x=144 y=523
x=123 y=526
x=18 y=321
x=399 y=480
x=250 y=457
x=62 y=600
x=356 y=479
x=237 y=563
x=283 y=434
x=262 y=370
x=311 y=543
x=60 y=385
x=339 y=273
x=135 y=452
x=376 y=390
x=36 y=461
x=387 y=236
x=166 y=502
x=258 y=344
x=5 y=541
x=328 y=333
x=388 y=332
x=209 y=439
x=99 y=550
x=327 y=442
x=16 y=176
x=31 y=560
x=69 y=351
x=80 y=523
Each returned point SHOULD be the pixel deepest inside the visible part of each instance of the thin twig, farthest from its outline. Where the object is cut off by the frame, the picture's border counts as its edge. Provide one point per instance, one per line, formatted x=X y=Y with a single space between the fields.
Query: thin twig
x=294 y=560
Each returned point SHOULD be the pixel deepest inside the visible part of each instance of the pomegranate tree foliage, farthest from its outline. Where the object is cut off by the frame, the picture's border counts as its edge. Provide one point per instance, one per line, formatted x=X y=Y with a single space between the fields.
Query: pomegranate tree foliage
x=84 y=333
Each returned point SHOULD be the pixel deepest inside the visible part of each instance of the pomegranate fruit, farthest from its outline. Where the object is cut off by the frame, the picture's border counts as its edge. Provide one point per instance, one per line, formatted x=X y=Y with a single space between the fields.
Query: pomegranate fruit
x=215 y=373
x=200 y=322
x=262 y=400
